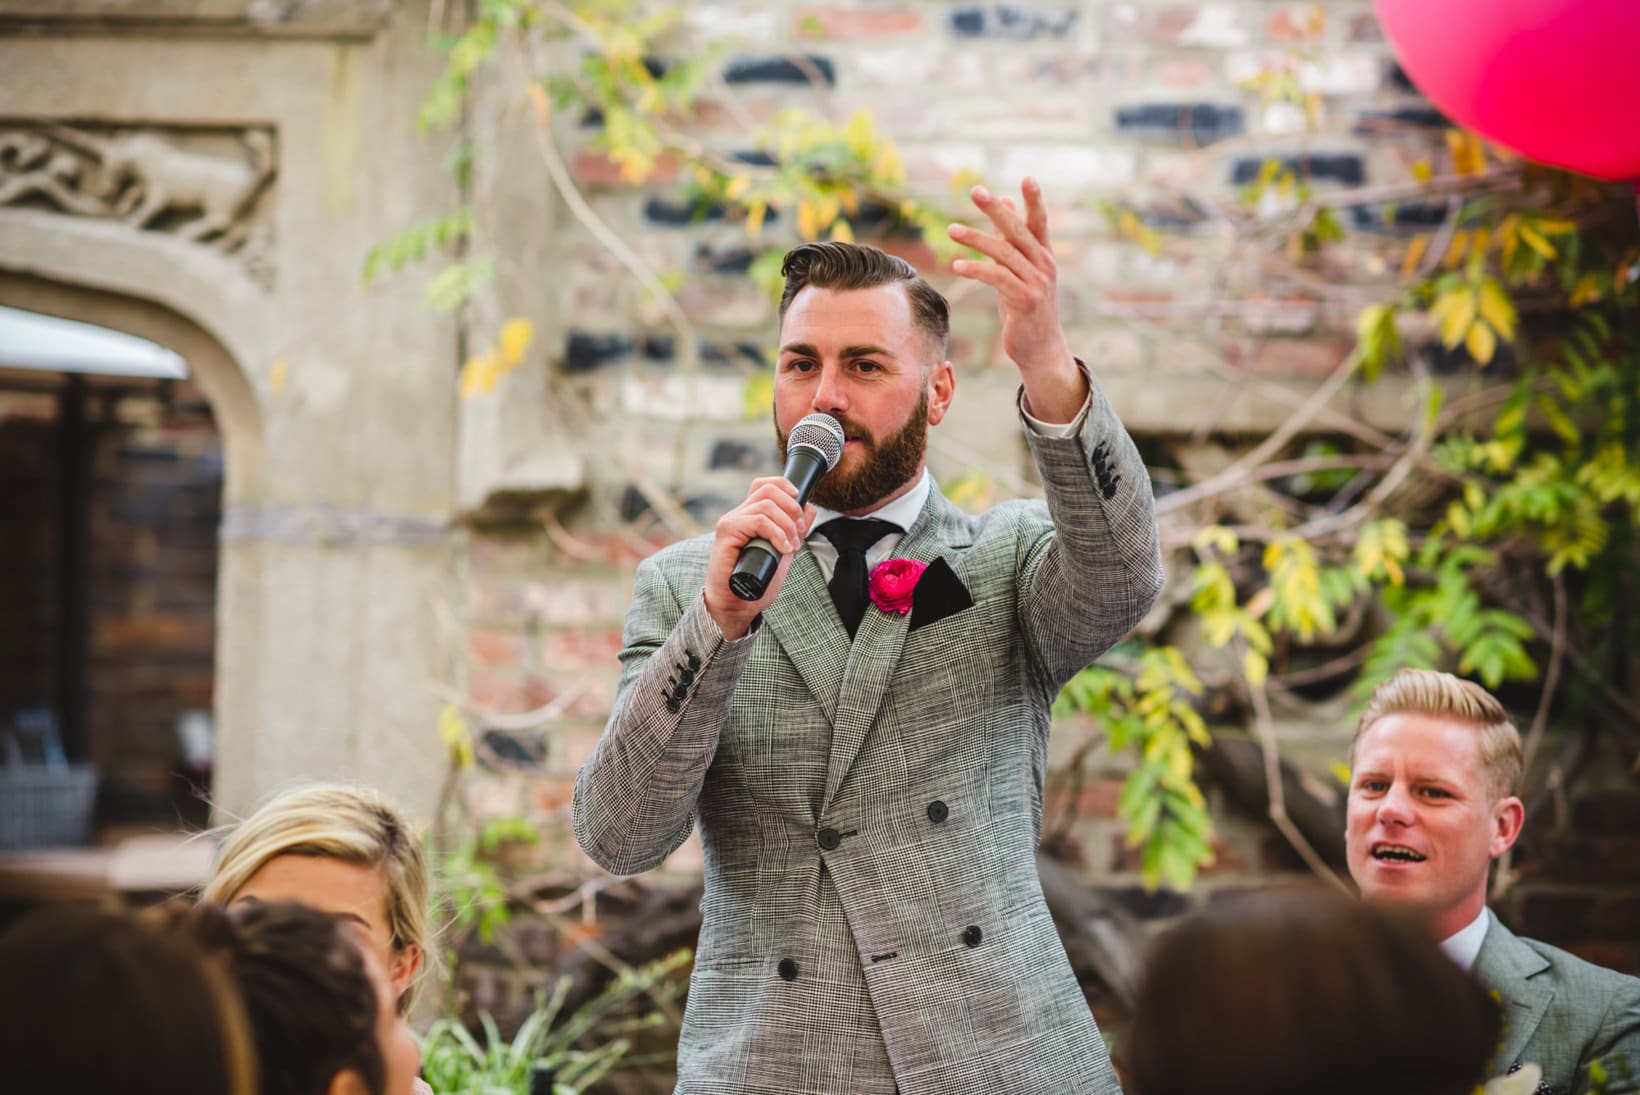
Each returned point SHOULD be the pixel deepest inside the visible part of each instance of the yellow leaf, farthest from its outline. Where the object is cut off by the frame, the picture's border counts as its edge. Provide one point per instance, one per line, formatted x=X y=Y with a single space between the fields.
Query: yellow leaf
x=737 y=188
x=1478 y=245
x=841 y=232
x=850 y=201
x=1414 y=256
x=1481 y=342
x=1456 y=249
x=452 y=731
x=1422 y=171
x=1216 y=536
x=516 y=336
x=478 y=375
x=754 y=218
x=276 y=376
x=1536 y=242
x=1497 y=309
x=1456 y=311
x=1468 y=154
x=808 y=219
x=1255 y=667
x=1340 y=771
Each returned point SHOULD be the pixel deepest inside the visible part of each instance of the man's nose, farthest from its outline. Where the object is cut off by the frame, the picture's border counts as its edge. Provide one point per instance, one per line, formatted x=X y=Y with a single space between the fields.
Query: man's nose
x=1396 y=808
x=831 y=394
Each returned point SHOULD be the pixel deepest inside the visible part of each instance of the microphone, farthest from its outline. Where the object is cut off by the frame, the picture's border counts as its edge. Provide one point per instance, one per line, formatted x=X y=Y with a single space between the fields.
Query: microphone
x=812 y=449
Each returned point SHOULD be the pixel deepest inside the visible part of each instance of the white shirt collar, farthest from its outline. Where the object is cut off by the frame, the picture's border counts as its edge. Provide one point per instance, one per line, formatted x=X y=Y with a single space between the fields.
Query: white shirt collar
x=1464 y=945
x=903 y=511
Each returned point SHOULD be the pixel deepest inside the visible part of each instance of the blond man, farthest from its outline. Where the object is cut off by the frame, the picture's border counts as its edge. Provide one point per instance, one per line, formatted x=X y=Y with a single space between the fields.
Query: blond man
x=1435 y=765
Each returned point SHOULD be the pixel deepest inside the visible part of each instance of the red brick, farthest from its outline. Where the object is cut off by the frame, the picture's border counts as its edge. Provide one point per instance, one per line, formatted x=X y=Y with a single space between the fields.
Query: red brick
x=492 y=647
x=568 y=649
x=1289 y=356
x=1183 y=72
x=594 y=168
x=839 y=23
x=550 y=794
x=1294 y=24
x=140 y=631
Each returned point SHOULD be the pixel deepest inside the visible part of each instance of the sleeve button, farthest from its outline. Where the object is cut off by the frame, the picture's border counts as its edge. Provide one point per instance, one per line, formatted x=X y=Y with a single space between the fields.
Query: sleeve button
x=787 y=969
x=938 y=811
x=971 y=935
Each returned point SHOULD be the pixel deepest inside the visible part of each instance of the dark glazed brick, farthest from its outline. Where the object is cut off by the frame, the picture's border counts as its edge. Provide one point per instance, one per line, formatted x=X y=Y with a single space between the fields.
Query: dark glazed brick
x=730 y=261
x=678 y=214
x=1345 y=168
x=755 y=157
x=1401 y=218
x=1012 y=22
x=1398 y=79
x=733 y=353
x=1403 y=120
x=728 y=453
x=780 y=70
x=658 y=349
x=584 y=352
x=1188 y=123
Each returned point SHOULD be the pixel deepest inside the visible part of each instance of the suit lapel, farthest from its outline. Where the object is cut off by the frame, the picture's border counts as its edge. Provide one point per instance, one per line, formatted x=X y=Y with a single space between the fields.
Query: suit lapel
x=1510 y=967
x=875 y=654
x=805 y=623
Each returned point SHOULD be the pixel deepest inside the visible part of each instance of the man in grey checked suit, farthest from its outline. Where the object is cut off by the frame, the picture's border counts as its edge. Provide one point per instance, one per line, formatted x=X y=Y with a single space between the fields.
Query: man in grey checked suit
x=1434 y=767
x=870 y=805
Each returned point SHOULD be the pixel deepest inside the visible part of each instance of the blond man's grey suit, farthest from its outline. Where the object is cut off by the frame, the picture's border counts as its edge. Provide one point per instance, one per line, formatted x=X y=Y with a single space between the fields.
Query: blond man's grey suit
x=1561 y=1012
x=870 y=812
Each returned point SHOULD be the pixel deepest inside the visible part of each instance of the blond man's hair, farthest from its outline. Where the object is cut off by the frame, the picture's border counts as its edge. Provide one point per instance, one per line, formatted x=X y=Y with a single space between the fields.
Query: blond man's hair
x=348 y=822
x=1442 y=696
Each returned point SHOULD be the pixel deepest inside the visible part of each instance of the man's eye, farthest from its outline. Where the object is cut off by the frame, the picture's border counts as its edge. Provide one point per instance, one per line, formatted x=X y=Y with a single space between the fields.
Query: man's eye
x=1436 y=792
x=1372 y=785
x=868 y=366
x=799 y=365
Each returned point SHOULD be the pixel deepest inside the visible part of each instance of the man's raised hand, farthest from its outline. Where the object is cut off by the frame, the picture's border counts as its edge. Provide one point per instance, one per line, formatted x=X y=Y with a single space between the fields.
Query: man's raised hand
x=1026 y=279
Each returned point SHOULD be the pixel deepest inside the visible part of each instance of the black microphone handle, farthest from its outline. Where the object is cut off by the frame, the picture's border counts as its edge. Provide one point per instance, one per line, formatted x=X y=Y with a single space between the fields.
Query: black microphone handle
x=758 y=560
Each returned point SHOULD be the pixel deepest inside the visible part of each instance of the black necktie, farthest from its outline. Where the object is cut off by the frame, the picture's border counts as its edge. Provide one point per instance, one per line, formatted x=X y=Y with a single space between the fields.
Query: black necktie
x=852 y=536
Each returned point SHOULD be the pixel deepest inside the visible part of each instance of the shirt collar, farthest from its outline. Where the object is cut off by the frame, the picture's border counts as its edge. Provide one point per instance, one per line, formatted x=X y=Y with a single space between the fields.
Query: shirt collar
x=1464 y=945
x=903 y=511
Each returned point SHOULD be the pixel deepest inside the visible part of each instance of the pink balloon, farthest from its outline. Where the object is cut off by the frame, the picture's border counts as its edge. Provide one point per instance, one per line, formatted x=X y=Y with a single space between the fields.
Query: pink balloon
x=1556 y=80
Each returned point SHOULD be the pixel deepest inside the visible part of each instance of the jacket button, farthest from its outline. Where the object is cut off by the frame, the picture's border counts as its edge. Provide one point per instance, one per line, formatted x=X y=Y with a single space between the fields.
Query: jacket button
x=971 y=935
x=938 y=811
x=829 y=839
x=787 y=969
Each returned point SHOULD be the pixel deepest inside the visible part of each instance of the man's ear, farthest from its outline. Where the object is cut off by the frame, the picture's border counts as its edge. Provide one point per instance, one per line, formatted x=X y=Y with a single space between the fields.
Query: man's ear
x=942 y=385
x=402 y=970
x=347 y=1082
x=1508 y=815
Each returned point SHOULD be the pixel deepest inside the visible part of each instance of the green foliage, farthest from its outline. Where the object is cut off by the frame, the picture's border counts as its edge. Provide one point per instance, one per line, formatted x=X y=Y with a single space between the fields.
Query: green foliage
x=455 y=1062
x=470 y=882
x=416 y=242
x=1150 y=713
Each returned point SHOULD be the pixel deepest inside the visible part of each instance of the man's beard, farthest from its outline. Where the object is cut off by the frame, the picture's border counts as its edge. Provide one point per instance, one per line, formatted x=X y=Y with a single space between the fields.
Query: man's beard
x=885 y=468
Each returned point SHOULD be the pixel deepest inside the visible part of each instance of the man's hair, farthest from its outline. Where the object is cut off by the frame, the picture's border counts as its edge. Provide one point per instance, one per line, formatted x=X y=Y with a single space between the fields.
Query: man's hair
x=306 y=990
x=1443 y=696
x=348 y=822
x=111 y=1000
x=844 y=266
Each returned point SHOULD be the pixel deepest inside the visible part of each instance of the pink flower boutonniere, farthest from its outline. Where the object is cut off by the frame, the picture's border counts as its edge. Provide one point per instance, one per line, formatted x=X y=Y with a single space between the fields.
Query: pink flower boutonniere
x=892 y=583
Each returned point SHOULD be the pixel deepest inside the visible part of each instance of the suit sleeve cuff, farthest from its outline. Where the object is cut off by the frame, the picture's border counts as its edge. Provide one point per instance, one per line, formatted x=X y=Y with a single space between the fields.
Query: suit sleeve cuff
x=1059 y=430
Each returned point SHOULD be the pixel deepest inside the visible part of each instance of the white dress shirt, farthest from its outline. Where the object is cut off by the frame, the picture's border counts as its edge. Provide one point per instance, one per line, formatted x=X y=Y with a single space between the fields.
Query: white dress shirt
x=1464 y=945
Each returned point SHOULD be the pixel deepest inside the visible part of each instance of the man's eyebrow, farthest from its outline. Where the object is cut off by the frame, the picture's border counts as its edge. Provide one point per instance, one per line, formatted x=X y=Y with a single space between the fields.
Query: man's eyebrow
x=804 y=349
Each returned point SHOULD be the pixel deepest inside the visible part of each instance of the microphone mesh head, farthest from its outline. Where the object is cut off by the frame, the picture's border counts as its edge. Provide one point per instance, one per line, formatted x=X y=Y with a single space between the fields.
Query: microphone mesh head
x=820 y=432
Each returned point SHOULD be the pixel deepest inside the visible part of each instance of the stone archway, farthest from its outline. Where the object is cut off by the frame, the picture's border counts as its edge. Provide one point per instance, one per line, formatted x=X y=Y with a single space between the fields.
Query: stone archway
x=234 y=404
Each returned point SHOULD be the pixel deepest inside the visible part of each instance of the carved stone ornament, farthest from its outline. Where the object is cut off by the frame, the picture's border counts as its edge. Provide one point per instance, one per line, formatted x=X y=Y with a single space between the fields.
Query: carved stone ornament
x=356 y=20
x=212 y=188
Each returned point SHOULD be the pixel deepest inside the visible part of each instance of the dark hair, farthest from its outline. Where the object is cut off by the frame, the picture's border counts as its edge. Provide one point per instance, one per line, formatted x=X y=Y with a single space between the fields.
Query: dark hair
x=107 y=1000
x=1294 y=991
x=843 y=266
x=308 y=995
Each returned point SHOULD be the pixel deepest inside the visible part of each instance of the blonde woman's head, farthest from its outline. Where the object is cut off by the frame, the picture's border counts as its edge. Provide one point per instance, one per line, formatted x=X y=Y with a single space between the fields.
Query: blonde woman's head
x=343 y=849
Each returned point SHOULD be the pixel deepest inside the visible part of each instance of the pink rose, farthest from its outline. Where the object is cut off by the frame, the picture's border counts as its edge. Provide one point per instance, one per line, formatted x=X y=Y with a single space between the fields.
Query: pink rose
x=892 y=583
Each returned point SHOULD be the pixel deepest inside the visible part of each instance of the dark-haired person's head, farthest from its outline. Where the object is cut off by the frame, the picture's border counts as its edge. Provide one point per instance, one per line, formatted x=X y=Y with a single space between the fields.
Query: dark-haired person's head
x=1297 y=991
x=320 y=1006
x=863 y=338
x=104 y=1000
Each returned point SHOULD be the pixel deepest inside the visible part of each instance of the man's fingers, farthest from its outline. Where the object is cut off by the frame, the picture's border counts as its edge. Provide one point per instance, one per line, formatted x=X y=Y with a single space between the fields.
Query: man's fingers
x=1003 y=253
x=1002 y=215
x=1036 y=211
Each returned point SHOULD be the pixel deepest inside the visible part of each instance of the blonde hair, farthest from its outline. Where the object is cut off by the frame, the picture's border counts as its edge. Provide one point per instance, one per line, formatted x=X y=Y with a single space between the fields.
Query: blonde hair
x=349 y=822
x=1443 y=696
